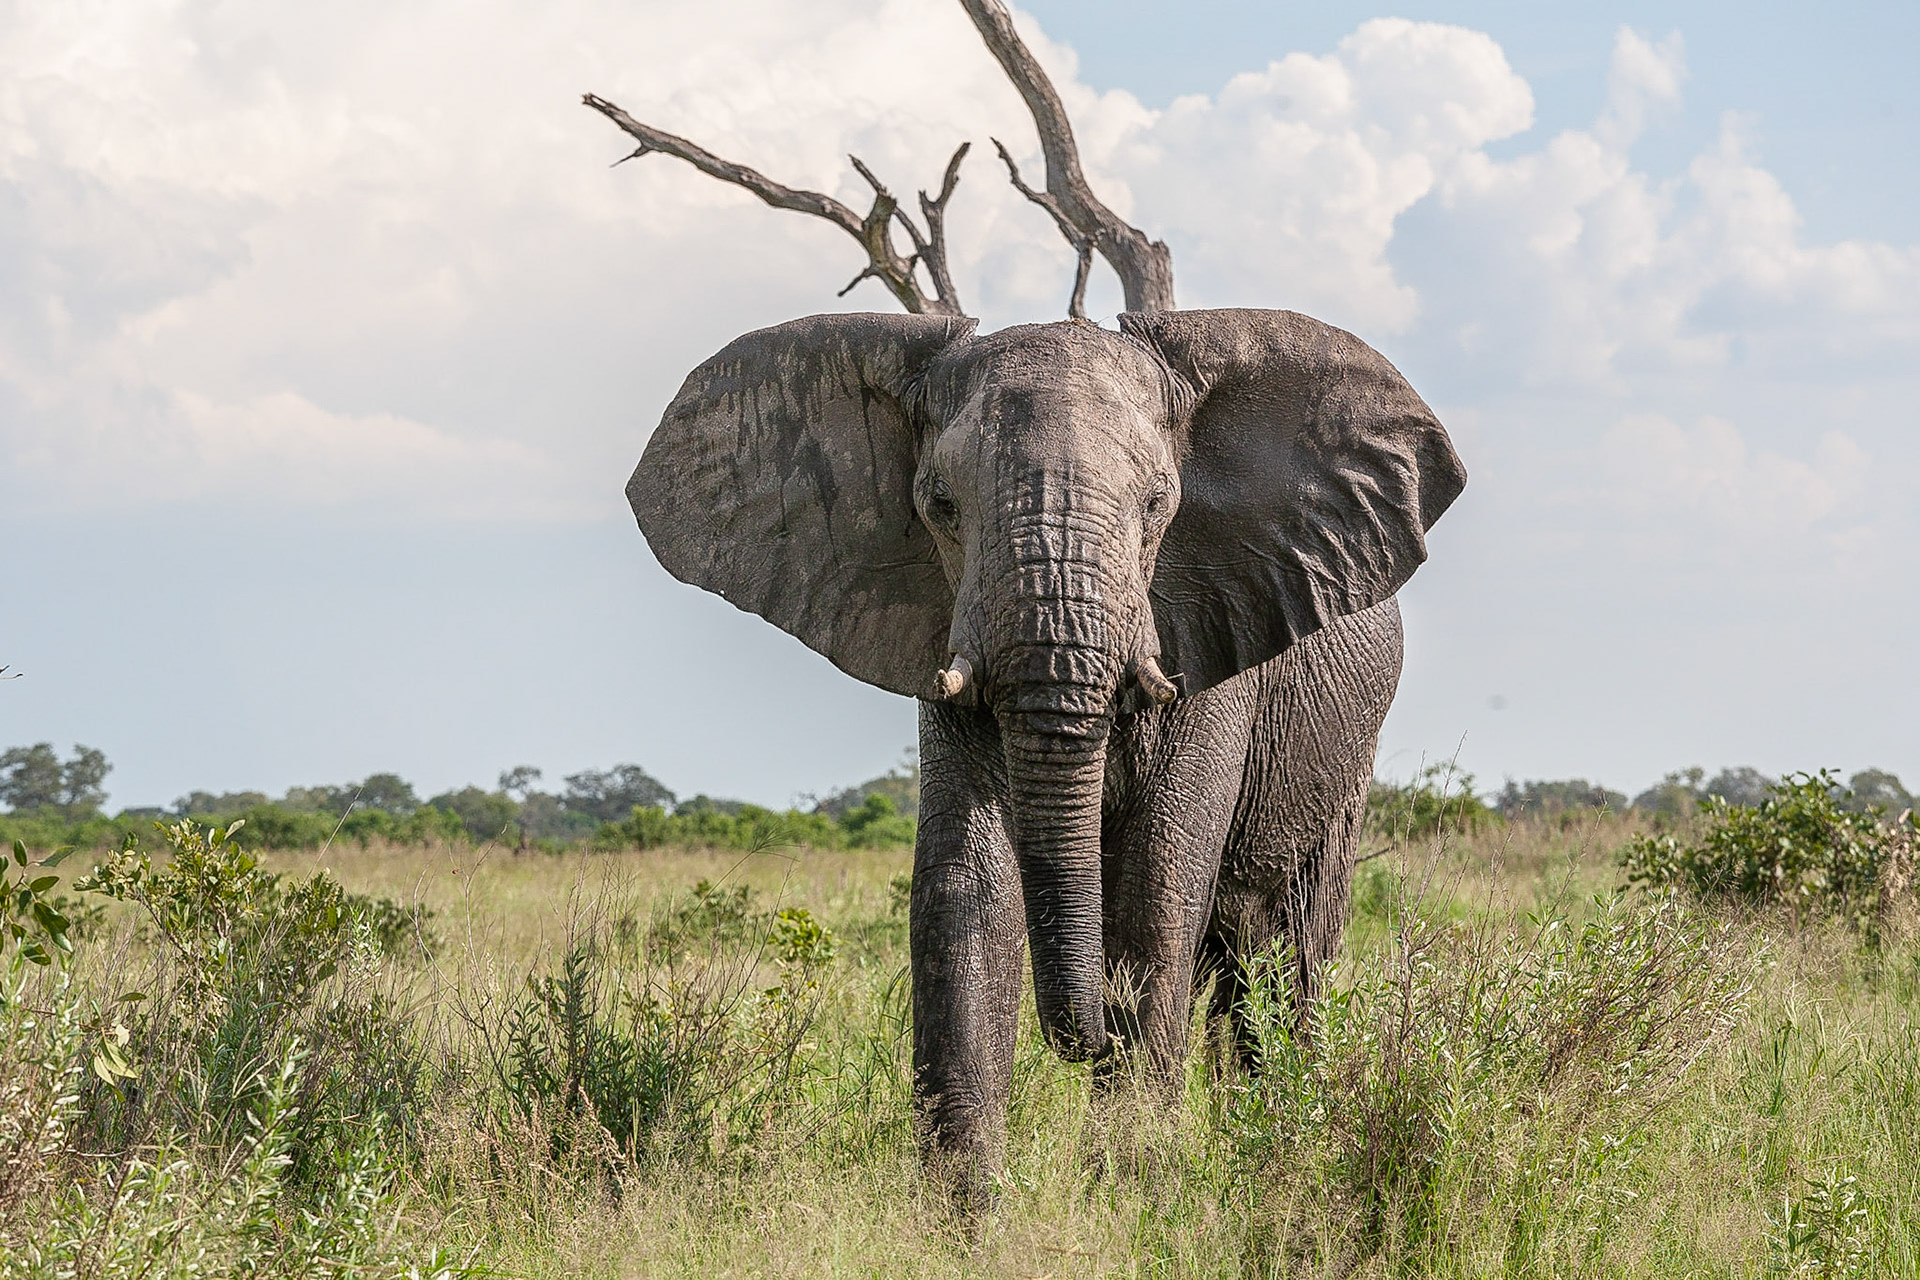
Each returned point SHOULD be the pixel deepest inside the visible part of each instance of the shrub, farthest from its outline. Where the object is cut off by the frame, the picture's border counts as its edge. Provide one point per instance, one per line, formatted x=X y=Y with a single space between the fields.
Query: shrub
x=1437 y=798
x=622 y=1068
x=158 y=1212
x=248 y=966
x=1569 y=797
x=876 y=824
x=1801 y=847
x=33 y=925
x=748 y=828
x=1517 y=1064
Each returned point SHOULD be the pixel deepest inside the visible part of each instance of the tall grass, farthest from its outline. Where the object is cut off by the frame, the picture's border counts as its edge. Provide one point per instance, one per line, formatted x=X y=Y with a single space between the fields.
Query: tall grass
x=402 y=1061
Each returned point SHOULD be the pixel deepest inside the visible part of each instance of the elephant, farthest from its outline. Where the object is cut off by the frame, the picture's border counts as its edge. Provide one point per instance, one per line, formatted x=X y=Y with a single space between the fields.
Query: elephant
x=1142 y=583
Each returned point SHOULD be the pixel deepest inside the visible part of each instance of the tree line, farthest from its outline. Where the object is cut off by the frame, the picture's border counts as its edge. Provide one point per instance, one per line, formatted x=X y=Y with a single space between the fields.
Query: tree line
x=54 y=801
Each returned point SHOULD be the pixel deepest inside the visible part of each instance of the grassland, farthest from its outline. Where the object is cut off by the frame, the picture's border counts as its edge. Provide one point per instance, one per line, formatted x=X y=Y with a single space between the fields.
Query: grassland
x=600 y=1071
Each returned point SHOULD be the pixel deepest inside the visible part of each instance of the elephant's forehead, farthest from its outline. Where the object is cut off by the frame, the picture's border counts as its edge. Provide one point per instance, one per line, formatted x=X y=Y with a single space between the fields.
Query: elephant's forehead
x=1054 y=373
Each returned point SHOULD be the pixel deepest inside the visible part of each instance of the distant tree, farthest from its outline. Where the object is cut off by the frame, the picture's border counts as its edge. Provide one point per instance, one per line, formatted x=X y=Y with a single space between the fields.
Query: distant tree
x=485 y=815
x=518 y=781
x=388 y=791
x=900 y=785
x=1877 y=789
x=612 y=794
x=319 y=799
x=34 y=779
x=704 y=803
x=1744 y=786
x=1542 y=799
x=30 y=778
x=207 y=804
x=1676 y=796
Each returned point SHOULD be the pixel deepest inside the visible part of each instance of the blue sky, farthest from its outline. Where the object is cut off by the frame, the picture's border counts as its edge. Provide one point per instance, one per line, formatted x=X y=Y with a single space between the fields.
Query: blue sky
x=327 y=345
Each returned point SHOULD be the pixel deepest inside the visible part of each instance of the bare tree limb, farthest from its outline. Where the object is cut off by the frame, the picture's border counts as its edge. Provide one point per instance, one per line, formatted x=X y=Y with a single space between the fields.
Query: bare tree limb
x=1077 y=304
x=873 y=231
x=1145 y=267
x=1082 y=244
x=933 y=249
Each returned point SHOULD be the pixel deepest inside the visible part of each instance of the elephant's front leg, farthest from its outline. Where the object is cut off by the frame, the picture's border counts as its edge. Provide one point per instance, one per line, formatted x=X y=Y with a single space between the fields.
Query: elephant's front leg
x=1176 y=778
x=968 y=938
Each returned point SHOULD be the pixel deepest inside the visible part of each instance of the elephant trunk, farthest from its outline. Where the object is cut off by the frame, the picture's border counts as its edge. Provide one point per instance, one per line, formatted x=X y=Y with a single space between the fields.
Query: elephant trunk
x=1054 y=678
x=1055 y=774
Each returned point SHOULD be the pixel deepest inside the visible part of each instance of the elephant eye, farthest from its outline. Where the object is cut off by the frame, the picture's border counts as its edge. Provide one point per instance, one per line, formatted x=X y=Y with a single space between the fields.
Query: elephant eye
x=940 y=507
x=1159 y=499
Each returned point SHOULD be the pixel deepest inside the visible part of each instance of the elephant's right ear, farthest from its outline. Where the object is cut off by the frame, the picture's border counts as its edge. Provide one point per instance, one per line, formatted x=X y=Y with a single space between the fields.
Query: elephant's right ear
x=781 y=479
x=1313 y=472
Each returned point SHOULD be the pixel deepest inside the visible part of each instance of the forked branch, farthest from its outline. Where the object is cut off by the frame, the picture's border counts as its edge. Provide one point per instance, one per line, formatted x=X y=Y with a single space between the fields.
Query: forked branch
x=1082 y=244
x=1145 y=266
x=873 y=231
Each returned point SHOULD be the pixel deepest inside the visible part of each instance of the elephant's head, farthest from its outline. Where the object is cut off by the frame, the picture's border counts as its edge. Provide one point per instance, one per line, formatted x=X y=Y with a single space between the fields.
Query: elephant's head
x=1058 y=521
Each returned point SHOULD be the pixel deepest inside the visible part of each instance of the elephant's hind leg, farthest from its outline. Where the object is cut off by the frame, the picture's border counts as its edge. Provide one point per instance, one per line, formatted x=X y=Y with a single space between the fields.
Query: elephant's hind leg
x=1286 y=876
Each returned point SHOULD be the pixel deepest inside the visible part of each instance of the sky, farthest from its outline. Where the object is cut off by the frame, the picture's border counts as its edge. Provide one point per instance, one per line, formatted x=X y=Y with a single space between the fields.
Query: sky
x=328 y=337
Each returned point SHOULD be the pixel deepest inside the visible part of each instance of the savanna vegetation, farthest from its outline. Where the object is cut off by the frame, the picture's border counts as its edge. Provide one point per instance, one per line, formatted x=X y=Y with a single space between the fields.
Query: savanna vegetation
x=54 y=802
x=1586 y=1045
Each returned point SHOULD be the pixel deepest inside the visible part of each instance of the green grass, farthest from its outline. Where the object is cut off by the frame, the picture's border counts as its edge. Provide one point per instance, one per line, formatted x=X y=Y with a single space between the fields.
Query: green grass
x=603 y=1070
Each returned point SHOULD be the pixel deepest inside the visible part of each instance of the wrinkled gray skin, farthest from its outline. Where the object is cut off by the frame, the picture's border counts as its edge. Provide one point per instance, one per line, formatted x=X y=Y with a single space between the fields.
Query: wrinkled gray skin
x=1235 y=495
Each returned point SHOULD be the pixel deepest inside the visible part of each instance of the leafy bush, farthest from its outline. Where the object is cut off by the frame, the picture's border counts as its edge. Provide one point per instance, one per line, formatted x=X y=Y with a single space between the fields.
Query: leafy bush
x=622 y=1068
x=1570 y=797
x=249 y=965
x=901 y=785
x=1438 y=798
x=1517 y=1064
x=707 y=913
x=874 y=825
x=160 y=1213
x=32 y=923
x=1801 y=847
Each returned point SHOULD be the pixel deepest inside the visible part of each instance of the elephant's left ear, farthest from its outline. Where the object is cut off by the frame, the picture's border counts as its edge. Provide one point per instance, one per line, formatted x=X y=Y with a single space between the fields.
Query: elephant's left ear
x=1312 y=472
x=781 y=479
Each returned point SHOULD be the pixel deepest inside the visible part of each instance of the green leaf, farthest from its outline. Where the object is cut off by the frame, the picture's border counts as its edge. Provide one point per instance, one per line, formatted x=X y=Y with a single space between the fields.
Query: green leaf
x=130 y=997
x=58 y=856
x=42 y=883
x=109 y=1063
x=20 y=852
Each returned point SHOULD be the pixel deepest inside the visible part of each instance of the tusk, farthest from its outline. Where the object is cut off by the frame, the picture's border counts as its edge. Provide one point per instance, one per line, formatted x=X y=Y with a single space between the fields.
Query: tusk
x=953 y=681
x=1154 y=681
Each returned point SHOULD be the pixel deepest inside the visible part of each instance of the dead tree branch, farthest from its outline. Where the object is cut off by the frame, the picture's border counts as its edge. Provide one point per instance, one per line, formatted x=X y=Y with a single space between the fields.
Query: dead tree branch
x=1145 y=267
x=872 y=231
x=1082 y=244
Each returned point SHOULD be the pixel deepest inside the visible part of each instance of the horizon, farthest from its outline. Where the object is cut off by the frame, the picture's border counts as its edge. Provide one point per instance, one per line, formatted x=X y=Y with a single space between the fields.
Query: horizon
x=318 y=391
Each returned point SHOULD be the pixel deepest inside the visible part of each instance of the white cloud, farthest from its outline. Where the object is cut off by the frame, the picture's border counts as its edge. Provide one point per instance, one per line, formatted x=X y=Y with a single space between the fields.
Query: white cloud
x=1591 y=271
x=1645 y=78
x=1287 y=184
x=1706 y=489
x=375 y=254
x=220 y=214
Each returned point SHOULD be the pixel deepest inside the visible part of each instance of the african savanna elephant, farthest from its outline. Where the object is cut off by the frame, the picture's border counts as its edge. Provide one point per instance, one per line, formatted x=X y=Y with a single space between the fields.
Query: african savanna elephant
x=1142 y=582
